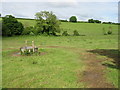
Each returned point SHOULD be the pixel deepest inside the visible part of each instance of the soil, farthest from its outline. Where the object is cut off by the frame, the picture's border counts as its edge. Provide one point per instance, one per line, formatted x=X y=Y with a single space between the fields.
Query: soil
x=94 y=75
x=18 y=54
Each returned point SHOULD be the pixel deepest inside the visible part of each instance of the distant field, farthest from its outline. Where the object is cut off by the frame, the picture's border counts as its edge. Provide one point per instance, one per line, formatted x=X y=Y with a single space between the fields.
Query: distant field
x=27 y=23
x=82 y=28
x=66 y=62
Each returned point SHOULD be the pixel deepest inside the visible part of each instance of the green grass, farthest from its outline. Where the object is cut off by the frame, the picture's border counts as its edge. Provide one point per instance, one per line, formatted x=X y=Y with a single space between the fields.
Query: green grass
x=59 y=66
x=111 y=73
x=82 y=28
x=88 y=28
x=27 y=23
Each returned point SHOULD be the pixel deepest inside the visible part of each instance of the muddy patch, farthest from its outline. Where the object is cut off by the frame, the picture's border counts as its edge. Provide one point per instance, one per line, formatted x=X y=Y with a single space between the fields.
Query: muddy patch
x=94 y=75
x=19 y=54
x=16 y=54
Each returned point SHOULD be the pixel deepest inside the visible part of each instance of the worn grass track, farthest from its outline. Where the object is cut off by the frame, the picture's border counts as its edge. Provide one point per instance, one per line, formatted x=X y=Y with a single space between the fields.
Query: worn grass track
x=94 y=74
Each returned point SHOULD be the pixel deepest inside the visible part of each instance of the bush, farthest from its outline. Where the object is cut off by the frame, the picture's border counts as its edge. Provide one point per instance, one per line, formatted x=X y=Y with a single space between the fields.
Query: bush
x=76 y=33
x=31 y=33
x=65 y=33
x=109 y=32
x=28 y=30
x=34 y=62
x=104 y=32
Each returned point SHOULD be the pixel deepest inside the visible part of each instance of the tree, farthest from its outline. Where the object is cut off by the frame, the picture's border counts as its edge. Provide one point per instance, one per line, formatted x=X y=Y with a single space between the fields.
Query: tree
x=91 y=21
x=97 y=21
x=94 y=21
x=10 y=26
x=73 y=19
x=47 y=23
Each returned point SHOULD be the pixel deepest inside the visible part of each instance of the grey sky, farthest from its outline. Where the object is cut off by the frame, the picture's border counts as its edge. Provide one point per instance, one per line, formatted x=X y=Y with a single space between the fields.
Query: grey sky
x=105 y=11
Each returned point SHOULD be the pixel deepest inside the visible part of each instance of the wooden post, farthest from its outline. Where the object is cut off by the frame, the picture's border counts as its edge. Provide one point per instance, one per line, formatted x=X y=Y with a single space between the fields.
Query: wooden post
x=33 y=46
x=26 y=43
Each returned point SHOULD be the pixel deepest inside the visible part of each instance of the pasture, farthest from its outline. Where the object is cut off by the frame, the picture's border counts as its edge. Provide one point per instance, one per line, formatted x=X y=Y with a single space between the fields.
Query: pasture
x=65 y=61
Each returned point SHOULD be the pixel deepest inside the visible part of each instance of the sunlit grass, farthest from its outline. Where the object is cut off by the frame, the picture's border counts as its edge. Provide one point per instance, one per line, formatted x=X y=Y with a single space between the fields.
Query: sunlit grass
x=59 y=66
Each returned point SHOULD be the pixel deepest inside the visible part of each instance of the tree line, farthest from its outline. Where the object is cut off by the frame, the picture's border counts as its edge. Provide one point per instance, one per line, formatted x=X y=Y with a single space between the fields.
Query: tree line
x=74 y=19
x=46 y=24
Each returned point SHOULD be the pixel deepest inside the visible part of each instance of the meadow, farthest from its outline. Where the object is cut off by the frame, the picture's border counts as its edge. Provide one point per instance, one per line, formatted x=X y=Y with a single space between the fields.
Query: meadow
x=63 y=59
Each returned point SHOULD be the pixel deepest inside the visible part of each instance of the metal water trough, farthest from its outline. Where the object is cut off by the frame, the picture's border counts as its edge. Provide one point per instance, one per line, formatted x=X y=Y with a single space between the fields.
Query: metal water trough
x=29 y=49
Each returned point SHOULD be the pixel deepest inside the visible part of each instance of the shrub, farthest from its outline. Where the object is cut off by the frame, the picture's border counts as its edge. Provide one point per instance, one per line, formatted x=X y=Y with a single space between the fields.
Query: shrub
x=104 y=32
x=65 y=33
x=27 y=30
x=34 y=62
x=76 y=33
x=31 y=33
x=109 y=32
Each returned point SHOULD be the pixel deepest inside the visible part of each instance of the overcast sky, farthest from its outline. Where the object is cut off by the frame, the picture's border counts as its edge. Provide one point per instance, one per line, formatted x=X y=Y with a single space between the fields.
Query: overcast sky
x=106 y=10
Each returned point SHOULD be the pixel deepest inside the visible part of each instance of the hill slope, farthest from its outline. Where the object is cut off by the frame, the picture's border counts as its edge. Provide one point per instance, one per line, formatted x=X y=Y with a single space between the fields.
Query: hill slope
x=82 y=28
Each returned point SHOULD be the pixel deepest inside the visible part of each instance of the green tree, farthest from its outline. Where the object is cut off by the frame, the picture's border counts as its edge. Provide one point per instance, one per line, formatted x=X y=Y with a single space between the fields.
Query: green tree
x=10 y=26
x=73 y=19
x=91 y=21
x=47 y=23
x=94 y=21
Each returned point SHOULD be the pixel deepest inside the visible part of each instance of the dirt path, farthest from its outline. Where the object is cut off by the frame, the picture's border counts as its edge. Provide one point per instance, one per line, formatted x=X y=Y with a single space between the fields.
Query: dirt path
x=93 y=76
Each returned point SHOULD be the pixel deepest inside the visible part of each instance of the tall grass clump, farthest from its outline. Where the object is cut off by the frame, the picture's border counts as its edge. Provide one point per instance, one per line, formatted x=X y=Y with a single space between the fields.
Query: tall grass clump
x=65 y=33
x=76 y=33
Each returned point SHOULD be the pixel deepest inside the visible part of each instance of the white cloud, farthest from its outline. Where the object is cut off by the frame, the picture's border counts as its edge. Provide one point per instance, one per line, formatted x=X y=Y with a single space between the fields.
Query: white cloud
x=60 y=0
x=106 y=11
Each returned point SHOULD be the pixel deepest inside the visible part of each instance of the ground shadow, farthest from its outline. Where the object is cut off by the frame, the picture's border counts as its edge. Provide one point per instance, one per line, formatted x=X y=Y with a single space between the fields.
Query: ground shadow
x=110 y=53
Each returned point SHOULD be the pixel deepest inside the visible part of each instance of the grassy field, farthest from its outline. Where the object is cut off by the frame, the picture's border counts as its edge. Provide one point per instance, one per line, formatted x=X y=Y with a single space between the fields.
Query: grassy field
x=83 y=28
x=27 y=23
x=62 y=62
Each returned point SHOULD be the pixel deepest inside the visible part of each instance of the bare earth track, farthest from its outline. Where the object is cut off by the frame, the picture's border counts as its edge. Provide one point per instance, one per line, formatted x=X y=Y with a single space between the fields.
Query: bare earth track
x=94 y=73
